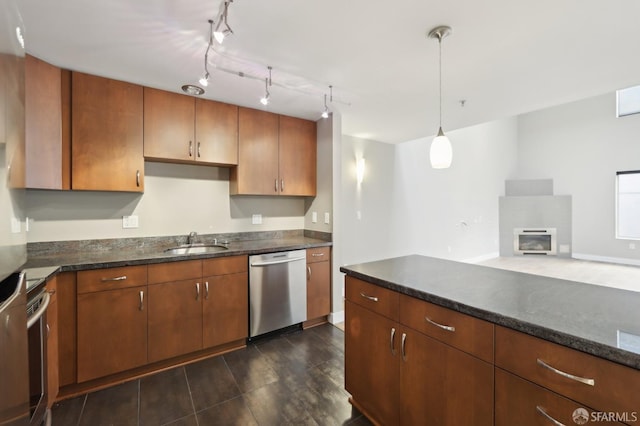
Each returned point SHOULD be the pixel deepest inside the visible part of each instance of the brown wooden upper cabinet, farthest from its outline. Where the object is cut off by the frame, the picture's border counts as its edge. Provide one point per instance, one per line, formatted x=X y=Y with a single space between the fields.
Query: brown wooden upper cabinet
x=276 y=155
x=180 y=128
x=47 y=153
x=106 y=134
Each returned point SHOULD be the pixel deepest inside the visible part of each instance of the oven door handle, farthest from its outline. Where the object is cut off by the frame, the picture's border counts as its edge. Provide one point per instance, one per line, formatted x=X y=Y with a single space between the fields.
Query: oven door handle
x=46 y=297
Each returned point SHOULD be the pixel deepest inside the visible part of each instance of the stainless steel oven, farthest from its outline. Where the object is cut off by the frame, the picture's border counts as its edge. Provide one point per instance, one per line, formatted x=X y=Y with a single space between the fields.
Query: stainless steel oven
x=37 y=303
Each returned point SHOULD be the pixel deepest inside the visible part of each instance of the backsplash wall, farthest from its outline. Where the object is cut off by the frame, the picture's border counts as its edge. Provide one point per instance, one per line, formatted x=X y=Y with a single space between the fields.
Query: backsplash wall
x=178 y=199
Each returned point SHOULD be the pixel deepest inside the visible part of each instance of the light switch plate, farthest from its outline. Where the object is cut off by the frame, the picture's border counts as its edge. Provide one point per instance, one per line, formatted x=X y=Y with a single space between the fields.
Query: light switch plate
x=129 y=222
x=326 y=217
x=314 y=217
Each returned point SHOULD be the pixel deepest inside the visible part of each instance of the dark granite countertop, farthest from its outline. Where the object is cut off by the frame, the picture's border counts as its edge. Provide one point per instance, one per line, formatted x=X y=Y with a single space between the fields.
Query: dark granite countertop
x=115 y=256
x=598 y=320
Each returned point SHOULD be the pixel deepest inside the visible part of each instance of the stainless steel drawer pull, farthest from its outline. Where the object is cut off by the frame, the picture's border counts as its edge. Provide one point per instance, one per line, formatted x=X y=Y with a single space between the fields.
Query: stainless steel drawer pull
x=197 y=291
x=122 y=278
x=548 y=417
x=373 y=299
x=392 y=341
x=404 y=340
x=590 y=382
x=317 y=254
x=142 y=300
x=206 y=290
x=444 y=327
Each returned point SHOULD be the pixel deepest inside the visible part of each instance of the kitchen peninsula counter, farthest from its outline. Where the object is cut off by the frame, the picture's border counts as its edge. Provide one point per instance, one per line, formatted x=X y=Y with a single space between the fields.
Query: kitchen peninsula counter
x=598 y=320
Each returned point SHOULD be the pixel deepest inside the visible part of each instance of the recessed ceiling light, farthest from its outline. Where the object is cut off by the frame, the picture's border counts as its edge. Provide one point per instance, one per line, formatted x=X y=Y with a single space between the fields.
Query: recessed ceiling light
x=192 y=89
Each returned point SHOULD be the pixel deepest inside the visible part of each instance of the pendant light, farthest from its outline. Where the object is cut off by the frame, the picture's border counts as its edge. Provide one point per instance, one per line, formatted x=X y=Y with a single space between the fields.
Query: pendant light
x=441 y=152
x=205 y=78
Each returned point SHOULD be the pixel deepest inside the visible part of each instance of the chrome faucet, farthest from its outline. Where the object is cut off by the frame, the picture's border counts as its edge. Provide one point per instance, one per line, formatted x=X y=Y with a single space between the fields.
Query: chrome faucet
x=191 y=239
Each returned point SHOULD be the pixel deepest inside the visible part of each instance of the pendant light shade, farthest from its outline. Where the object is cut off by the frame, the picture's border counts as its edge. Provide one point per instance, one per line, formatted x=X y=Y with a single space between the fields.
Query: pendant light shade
x=441 y=152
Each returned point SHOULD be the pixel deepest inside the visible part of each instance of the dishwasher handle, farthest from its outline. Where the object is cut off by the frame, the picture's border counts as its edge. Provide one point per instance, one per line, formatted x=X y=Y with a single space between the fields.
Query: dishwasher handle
x=275 y=262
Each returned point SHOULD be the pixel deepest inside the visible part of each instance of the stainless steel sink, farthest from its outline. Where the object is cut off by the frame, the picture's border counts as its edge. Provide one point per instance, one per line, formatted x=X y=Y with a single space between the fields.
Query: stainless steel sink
x=196 y=249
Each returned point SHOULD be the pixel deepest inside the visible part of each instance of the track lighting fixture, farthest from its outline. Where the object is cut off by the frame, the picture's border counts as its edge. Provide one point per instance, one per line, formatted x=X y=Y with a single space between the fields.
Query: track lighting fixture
x=267 y=82
x=222 y=27
x=325 y=113
x=441 y=152
x=205 y=78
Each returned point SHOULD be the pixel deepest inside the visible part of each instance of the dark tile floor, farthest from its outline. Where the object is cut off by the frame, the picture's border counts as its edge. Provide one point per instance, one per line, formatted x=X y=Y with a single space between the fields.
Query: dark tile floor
x=296 y=378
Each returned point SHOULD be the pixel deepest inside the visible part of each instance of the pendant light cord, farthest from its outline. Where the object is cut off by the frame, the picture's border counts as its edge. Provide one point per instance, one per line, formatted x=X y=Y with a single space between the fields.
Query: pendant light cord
x=440 y=75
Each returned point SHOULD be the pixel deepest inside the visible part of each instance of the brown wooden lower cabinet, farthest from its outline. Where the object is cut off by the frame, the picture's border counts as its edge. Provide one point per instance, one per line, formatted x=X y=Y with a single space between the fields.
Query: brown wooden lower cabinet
x=318 y=282
x=175 y=319
x=399 y=376
x=521 y=402
x=225 y=314
x=112 y=332
x=52 y=344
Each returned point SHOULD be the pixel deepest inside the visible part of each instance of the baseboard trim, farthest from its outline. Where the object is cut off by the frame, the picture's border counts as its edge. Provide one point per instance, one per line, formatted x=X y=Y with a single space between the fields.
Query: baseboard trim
x=607 y=259
x=336 y=317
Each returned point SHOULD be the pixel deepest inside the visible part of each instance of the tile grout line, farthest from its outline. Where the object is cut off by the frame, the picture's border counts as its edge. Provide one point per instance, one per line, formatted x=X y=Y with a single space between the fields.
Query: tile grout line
x=193 y=405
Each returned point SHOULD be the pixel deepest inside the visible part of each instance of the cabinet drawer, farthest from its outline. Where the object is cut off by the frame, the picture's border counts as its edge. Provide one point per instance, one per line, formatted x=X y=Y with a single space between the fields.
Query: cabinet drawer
x=524 y=403
x=378 y=299
x=318 y=254
x=469 y=334
x=611 y=387
x=111 y=278
x=175 y=271
x=225 y=265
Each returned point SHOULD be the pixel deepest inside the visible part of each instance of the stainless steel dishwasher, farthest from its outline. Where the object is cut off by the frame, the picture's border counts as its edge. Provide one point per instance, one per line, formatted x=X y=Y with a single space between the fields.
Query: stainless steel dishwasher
x=277 y=291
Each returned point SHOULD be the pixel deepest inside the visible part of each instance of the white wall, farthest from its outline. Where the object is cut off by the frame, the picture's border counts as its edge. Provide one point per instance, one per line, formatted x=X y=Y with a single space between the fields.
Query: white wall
x=580 y=146
x=407 y=207
x=323 y=201
x=178 y=199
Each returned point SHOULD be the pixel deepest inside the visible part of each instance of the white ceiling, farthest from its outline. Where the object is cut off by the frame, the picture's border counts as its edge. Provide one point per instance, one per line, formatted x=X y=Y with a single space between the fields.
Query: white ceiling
x=504 y=57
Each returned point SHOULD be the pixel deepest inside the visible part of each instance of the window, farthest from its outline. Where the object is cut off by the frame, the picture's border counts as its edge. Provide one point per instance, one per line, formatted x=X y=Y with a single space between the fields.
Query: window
x=628 y=205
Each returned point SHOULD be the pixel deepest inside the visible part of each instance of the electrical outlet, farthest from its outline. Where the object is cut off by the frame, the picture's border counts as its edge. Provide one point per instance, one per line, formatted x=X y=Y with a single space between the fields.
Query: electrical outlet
x=632 y=246
x=256 y=219
x=326 y=218
x=129 y=222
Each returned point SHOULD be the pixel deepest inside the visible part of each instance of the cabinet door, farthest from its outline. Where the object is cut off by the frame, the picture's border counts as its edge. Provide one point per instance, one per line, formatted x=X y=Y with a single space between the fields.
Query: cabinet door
x=371 y=367
x=169 y=120
x=216 y=132
x=112 y=332
x=43 y=125
x=441 y=385
x=297 y=156
x=257 y=170
x=52 y=344
x=225 y=309
x=175 y=319
x=106 y=137
x=318 y=289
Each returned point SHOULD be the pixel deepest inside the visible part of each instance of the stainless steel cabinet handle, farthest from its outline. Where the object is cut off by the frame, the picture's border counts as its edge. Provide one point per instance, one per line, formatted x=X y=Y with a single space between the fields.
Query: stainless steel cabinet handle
x=190 y=148
x=404 y=340
x=137 y=177
x=276 y=185
x=308 y=272
x=206 y=290
x=548 y=417
x=444 y=327
x=590 y=382
x=197 y=291
x=281 y=185
x=122 y=278
x=372 y=298
x=48 y=330
x=198 y=149
x=392 y=341
x=142 y=300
